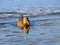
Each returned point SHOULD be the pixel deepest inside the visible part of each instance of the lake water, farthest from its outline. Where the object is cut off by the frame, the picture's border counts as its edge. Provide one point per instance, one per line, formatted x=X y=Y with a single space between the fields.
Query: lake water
x=44 y=30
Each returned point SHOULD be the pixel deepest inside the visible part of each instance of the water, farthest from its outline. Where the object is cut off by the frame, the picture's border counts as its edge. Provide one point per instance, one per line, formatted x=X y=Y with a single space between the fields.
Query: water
x=44 y=30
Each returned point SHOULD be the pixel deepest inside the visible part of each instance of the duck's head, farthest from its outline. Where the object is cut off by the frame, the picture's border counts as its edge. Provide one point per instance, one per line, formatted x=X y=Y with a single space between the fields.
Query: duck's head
x=21 y=17
x=26 y=20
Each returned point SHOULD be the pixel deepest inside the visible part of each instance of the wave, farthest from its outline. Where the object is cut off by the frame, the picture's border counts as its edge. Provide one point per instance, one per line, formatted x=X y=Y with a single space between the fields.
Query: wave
x=27 y=13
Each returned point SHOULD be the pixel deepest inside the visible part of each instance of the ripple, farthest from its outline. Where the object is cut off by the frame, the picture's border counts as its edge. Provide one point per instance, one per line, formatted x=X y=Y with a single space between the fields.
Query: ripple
x=42 y=33
x=5 y=30
x=2 y=25
x=1 y=39
x=15 y=32
x=9 y=35
x=47 y=24
x=31 y=44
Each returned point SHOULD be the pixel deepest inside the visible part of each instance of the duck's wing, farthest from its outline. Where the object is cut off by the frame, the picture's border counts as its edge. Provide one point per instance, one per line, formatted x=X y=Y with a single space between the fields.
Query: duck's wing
x=20 y=22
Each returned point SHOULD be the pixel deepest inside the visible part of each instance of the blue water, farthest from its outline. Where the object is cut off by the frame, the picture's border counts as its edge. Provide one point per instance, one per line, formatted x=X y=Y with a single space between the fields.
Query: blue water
x=28 y=3
x=44 y=30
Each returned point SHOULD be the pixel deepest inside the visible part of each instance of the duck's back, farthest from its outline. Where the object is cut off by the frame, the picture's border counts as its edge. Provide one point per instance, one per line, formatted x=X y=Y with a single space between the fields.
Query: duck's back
x=20 y=23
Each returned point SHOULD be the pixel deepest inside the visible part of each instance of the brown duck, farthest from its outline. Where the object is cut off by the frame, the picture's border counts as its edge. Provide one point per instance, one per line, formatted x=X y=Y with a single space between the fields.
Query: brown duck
x=24 y=23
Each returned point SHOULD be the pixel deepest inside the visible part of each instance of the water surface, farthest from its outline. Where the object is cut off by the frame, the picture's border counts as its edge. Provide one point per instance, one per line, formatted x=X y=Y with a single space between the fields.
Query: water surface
x=44 y=30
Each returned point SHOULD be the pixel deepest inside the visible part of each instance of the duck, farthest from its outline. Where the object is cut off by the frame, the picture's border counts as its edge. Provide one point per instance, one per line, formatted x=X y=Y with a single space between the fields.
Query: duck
x=24 y=23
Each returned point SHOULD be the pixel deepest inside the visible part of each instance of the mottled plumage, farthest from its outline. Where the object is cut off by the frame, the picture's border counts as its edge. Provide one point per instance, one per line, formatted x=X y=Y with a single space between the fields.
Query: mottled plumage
x=24 y=23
